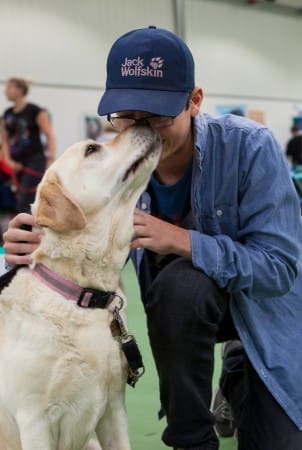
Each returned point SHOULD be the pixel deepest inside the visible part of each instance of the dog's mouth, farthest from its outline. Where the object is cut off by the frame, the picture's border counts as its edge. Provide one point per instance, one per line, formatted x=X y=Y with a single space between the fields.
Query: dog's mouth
x=133 y=168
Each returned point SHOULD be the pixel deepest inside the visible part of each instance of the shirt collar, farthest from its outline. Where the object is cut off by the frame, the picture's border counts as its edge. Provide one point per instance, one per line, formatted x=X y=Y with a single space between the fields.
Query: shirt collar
x=200 y=125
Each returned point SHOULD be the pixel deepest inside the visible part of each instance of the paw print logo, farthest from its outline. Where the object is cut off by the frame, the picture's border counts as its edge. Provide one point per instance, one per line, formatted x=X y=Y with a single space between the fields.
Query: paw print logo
x=157 y=62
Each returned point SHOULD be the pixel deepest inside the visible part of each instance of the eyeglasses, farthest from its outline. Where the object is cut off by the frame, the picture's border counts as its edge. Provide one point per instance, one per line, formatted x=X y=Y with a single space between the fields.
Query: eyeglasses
x=122 y=122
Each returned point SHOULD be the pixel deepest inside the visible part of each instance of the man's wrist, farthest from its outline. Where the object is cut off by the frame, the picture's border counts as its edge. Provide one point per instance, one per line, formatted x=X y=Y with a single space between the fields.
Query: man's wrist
x=183 y=244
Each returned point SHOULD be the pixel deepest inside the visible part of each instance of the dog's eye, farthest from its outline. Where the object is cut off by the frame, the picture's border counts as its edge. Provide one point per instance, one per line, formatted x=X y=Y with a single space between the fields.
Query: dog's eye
x=92 y=148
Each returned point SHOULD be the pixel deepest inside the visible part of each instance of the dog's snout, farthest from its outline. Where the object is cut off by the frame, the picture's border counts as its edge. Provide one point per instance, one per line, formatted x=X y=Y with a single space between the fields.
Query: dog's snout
x=144 y=134
x=144 y=129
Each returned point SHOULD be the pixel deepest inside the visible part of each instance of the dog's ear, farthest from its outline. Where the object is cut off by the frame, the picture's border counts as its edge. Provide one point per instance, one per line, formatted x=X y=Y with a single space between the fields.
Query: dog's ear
x=55 y=209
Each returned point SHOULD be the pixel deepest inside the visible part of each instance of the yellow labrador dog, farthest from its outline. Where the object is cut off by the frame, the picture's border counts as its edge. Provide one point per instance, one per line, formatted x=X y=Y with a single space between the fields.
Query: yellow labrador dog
x=62 y=369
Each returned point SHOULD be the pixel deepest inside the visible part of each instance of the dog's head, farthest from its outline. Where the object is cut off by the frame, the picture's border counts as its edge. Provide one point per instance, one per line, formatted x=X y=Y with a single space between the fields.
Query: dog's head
x=90 y=175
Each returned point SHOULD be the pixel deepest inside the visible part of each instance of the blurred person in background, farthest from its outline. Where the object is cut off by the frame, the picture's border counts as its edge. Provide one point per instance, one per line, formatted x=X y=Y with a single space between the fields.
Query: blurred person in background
x=7 y=192
x=22 y=147
x=294 y=147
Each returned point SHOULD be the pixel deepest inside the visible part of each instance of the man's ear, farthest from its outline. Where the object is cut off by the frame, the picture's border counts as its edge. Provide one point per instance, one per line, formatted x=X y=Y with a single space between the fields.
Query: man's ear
x=196 y=101
x=55 y=209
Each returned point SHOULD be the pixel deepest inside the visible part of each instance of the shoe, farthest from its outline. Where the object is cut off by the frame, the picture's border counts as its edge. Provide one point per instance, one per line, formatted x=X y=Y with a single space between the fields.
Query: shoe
x=230 y=347
x=221 y=409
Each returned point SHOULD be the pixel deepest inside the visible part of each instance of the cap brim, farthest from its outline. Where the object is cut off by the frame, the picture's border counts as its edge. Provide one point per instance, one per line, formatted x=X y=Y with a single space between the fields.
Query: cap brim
x=163 y=103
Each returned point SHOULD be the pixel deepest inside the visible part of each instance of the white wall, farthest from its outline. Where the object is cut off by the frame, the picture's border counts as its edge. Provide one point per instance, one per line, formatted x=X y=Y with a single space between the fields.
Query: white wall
x=245 y=56
x=242 y=55
x=64 y=43
x=240 y=50
x=67 y=41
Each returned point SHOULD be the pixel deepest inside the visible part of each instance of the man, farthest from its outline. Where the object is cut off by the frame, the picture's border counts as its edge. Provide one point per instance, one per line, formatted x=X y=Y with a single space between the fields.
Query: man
x=217 y=258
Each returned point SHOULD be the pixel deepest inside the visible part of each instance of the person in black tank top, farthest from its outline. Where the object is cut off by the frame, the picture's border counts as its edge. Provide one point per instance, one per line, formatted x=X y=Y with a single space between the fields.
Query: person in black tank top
x=22 y=147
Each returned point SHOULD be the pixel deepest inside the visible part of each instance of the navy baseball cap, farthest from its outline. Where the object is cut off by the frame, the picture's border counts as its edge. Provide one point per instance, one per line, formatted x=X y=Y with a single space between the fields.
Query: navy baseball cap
x=149 y=69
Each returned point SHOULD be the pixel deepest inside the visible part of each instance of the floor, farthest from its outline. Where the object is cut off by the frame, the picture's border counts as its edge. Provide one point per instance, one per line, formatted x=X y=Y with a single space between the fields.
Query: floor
x=142 y=401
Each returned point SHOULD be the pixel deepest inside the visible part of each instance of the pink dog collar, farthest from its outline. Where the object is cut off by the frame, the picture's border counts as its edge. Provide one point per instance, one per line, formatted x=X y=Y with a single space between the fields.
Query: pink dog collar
x=92 y=298
x=85 y=297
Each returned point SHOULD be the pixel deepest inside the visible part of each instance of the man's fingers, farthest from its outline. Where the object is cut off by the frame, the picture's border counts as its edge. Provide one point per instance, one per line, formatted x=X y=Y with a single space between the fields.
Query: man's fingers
x=19 y=243
x=20 y=219
x=141 y=243
x=17 y=235
x=140 y=219
x=13 y=260
x=15 y=248
x=140 y=230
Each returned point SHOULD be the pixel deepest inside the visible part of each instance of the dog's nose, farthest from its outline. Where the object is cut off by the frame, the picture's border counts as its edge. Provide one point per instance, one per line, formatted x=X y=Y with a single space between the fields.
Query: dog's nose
x=144 y=133
x=146 y=130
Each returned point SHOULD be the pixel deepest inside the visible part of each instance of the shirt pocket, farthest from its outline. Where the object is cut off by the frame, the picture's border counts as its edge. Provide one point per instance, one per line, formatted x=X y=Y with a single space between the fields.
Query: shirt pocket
x=223 y=219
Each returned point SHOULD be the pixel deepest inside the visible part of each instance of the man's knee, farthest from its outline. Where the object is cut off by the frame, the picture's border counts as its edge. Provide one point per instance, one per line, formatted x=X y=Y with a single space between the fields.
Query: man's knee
x=182 y=291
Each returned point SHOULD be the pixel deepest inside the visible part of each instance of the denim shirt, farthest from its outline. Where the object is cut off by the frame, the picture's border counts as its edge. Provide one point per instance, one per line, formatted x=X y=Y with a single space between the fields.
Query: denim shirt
x=247 y=239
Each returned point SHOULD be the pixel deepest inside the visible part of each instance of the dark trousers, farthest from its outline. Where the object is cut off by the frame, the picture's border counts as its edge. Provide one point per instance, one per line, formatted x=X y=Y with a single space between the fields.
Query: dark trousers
x=186 y=315
x=28 y=182
x=261 y=422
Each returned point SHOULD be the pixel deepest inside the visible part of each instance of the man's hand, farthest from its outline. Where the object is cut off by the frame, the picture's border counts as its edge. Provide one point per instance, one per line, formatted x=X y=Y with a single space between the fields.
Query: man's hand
x=18 y=241
x=159 y=236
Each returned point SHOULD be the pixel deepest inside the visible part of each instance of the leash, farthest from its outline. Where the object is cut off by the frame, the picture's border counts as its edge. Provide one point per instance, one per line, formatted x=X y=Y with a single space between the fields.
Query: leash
x=30 y=171
x=7 y=277
x=94 y=298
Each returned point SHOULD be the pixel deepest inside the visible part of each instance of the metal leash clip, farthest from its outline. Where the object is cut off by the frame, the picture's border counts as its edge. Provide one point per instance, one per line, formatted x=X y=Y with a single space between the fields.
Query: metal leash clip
x=130 y=348
x=124 y=336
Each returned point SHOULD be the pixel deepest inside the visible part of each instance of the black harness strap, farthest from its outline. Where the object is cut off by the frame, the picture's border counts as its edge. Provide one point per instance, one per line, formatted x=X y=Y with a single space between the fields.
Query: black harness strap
x=7 y=277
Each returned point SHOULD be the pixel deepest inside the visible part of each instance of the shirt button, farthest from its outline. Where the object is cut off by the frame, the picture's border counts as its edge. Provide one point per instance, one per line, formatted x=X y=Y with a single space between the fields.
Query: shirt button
x=144 y=205
x=219 y=212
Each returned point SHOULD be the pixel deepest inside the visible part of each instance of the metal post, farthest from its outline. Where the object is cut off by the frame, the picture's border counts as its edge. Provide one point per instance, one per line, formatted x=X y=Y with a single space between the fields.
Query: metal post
x=179 y=18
